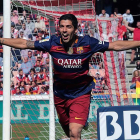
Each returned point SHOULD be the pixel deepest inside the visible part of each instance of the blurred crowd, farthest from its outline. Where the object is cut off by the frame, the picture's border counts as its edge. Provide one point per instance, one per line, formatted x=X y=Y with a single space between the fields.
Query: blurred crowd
x=30 y=68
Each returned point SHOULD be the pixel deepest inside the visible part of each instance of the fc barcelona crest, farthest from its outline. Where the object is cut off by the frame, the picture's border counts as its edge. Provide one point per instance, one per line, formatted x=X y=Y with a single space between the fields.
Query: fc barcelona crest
x=80 y=49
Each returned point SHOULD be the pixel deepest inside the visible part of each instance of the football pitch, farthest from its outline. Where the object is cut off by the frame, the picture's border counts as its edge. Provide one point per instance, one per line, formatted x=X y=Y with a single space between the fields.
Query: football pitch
x=41 y=132
x=34 y=131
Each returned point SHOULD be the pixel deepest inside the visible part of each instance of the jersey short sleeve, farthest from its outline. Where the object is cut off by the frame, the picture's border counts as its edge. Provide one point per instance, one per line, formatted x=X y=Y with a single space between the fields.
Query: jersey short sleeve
x=98 y=46
x=43 y=45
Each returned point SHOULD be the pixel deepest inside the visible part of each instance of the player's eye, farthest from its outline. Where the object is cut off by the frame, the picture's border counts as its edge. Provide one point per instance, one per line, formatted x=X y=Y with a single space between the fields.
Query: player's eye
x=69 y=26
x=61 y=26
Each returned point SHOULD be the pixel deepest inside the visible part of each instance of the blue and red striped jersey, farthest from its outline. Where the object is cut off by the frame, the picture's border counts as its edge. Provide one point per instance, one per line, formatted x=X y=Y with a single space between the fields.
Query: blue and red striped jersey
x=71 y=77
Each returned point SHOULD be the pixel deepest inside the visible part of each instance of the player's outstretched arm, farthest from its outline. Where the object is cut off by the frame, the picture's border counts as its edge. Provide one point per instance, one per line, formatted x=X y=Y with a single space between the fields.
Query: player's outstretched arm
x=17 y=43
x=123 y=45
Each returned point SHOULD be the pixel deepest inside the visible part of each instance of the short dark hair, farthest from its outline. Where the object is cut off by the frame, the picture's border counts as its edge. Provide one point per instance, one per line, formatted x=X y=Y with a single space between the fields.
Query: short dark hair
x=32 y=69
x=138 y=20
x=70 y=17
x=127 y=9
x=20 y=70
x=30 y=51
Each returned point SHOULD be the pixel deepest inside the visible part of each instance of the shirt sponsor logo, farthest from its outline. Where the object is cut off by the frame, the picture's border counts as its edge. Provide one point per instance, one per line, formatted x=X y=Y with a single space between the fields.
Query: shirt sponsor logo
x=80 y=50
x=70 y=63
x=43 y=40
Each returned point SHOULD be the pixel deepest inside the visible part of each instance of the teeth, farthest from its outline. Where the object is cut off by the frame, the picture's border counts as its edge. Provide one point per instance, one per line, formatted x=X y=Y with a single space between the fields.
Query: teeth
x=65 y=35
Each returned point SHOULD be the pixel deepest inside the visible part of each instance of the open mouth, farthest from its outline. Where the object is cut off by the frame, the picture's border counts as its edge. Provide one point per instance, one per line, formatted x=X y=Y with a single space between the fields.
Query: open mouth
x=65 y=36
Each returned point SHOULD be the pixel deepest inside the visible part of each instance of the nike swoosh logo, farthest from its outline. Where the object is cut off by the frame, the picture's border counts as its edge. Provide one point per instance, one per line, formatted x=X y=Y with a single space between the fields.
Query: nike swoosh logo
x=60 y=49
x=78 y=118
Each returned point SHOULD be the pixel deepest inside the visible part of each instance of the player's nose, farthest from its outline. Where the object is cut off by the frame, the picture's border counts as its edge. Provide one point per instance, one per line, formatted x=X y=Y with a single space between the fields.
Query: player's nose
x=64 y=29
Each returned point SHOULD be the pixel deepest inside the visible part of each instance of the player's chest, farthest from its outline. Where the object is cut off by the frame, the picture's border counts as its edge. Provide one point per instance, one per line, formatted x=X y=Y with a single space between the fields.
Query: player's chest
x=75 y=50
x=75 y=57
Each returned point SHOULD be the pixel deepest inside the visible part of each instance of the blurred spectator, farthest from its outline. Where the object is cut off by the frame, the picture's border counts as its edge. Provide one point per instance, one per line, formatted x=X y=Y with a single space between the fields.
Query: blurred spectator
x=15 y=58
x=14 y=32
x=32 y=76
x=45 y=55
x=1 y=85
x=20 y=77
x=31 y=37
x=16 y=54
x=44 y=90
x=1 y=23
x=96 y=60
x=12 y=88
x=99 y=83
x=80 y=31
x=38 y=38
x=41 y=77
x=18 y=92
x=31 y=58
x=22 y=87
x=121 y=30
x=38 y=53
x=1 y=50
x=1 y=74
x=103 y=13
x=1 y=60
x=135 y=38
x=94 y=63
x=25 y=30
x=14 y=17
x=35 y=32
x=46 y=36
x=116 y=13
x=1 y=88
x=112 y=15
x=26 y=66
x=137 y=66
x=29 y=24
x=39 y=57
x=23 y=17
x=83 y=25
x=46 y=64
x=40 y=24
x=21 y=35
x=136 y=77
x=1 y=28
x=19 y=25
x=32 y=16
x=40 y=35
x=24 y=53
x=90 y=66
x=38 y=66
x=128 y=17
x=91 y=32
x=34 y=88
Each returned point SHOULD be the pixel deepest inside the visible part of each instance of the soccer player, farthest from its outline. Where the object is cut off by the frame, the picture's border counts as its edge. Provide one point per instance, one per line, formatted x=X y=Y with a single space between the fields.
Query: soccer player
x=72 y=85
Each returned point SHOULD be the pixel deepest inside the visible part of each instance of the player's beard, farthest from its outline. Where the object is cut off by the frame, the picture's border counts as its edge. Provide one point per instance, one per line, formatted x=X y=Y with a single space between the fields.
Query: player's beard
x=70 y=43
